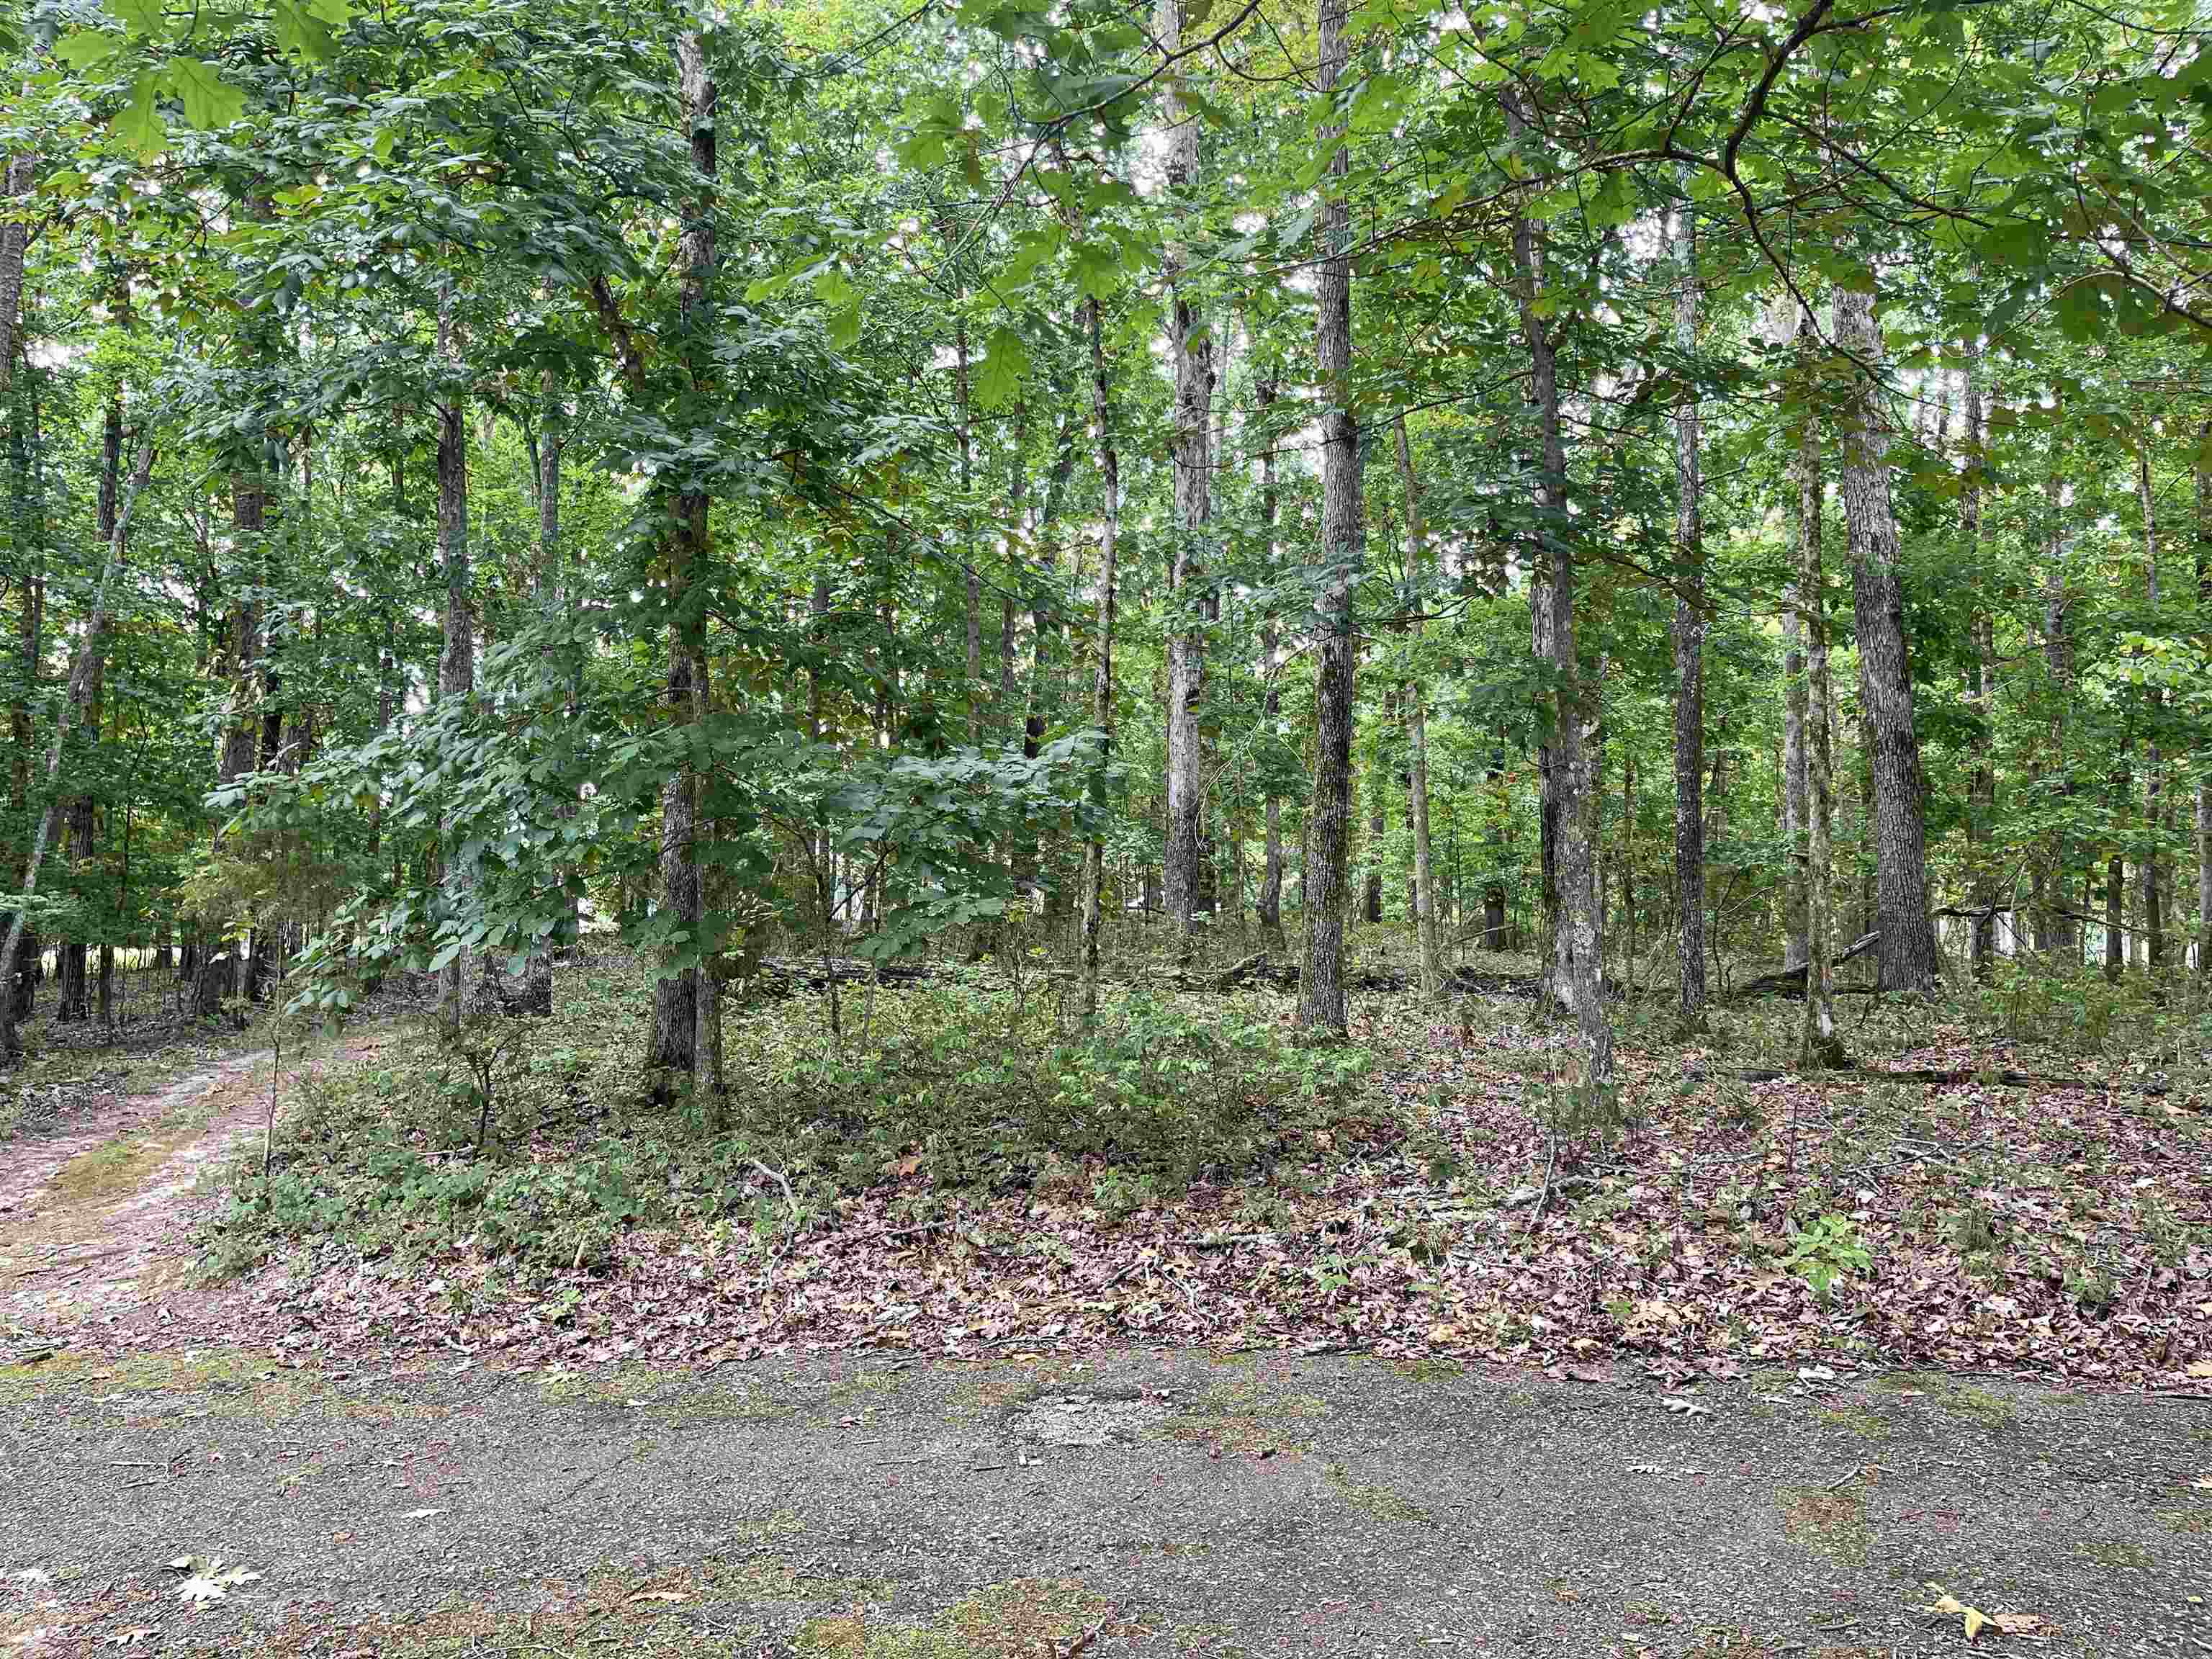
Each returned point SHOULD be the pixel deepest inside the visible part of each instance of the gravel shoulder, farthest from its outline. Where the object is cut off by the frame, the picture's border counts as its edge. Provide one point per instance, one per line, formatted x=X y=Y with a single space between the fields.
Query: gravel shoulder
x=1142 y=1502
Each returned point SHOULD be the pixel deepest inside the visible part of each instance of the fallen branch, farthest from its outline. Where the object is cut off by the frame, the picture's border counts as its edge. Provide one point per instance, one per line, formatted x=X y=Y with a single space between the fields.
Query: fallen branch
x=1791 y=982
x=782 y=1180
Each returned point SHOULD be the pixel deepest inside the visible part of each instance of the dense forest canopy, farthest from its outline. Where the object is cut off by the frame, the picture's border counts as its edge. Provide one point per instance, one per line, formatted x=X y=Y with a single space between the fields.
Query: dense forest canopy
x=1671 y=490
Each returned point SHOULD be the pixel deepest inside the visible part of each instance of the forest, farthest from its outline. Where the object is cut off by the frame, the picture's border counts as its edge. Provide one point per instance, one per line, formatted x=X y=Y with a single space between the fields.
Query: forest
x=965 y=830
x=865 y=609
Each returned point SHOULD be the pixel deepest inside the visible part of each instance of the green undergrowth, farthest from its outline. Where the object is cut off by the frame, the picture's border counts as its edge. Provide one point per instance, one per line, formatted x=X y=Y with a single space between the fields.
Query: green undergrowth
x=931 y=1097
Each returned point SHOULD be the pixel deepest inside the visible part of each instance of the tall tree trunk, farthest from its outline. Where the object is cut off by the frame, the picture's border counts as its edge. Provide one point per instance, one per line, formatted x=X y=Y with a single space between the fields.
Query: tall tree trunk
x=1982 y=685
x=220 y=976
x=973 y=578
x=2060 y=934
x=16 y=173
x=457 y=659
x=1795 y=705
x=2203 y=785
x=1907 y=951
x=1270 y=906
x=2150 y=897
x=1322 y=1005
x=1818 y=1044
x=76 y=1002
x=1416 y=738
x=551 y=594
x=685 y=999
x=1191 y=347
x=1378 y=810
x=1689 y=638
x=91 y=655
x=1101 y=682
x=1574 y=945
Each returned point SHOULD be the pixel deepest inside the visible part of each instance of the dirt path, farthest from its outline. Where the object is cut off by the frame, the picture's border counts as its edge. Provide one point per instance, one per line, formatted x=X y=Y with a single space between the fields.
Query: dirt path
x=90 y=1220
x=1161 y=1504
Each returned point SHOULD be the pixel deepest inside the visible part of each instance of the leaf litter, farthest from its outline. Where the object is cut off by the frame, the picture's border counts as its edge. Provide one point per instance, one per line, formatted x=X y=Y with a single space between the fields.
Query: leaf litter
x=2059 y=1231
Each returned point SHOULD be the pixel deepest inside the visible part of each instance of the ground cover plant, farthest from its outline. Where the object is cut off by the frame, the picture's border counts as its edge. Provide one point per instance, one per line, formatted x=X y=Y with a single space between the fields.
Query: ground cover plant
x=959 y=1173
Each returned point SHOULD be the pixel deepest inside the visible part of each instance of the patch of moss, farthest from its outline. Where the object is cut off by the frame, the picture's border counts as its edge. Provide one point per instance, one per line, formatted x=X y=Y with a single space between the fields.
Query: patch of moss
x=1379 y=1503
x=1833 y=1523
x=2121 y=1552
x=1428 y=1367
x=1249 y=1416
x=1991 y=1411
x=2193 y=1522
x=1011 y=1620
x=1856 y=1419
x=990 y=1388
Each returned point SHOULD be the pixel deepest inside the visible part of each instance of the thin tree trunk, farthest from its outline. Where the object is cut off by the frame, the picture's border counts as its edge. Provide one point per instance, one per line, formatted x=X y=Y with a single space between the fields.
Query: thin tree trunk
x=457 y=663
x=2060 y=929
x=1417 y=740
x=1689 y=638
x=1907 y=951
x=2149 y=896
x=1190 y=346
x=2203 y=785
x=1574 y=944
x=964 y=415
x=1981 y=813
x=1270 y=906
x=76 y=1002
x=1322 y=1007
x=1817 y=1045
x=684 y=1000
x=1102 y=684
x=91 y=655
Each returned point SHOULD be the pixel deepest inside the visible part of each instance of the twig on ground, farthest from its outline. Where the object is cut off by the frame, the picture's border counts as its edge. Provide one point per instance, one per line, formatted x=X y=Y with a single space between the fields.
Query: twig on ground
x=780 y=1180
x=1544 y=1195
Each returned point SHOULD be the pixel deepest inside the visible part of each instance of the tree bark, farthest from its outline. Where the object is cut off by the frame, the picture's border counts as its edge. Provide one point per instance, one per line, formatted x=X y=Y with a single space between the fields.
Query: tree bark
x=1574 y=944
x=2204 y=786
x=1321 y=1008
x=1982 y=685
x=1907 y=954
x=17 y=172
x=684 y=1000
x=1191 y=347
x=91 y=655
x=1689 y=639
x=1818 y=1044
x=1270 y=906
x=973 y=617
x=1101 y=682
x=457 y=659
x=1417 y=740
x=2059 y=927
x=2150 y=897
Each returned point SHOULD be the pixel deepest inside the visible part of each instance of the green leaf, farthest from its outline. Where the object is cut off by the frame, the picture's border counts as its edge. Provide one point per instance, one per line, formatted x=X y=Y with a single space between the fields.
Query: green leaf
x=1002 y=368
x=299 y=30
x=87 y=47
x=142 y=17
x=208 y=100
x=138 y=123
x=844 y=326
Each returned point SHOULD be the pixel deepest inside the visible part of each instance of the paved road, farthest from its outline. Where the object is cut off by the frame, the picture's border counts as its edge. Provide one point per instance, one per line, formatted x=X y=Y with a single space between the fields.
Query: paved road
x=1176 y=1503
